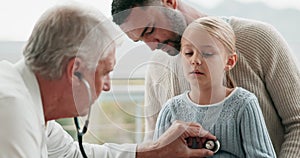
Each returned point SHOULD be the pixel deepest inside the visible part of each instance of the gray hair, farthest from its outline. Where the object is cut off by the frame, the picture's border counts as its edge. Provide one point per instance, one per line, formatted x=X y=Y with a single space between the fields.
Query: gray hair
x=64 y=32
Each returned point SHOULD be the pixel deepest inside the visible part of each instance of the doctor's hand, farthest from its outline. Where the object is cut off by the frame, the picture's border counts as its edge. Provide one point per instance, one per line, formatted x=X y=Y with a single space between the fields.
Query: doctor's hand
x=173 y=142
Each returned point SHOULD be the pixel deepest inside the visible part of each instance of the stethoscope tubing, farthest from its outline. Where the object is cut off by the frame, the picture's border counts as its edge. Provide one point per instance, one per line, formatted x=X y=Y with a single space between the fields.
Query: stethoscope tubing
x=81 y=132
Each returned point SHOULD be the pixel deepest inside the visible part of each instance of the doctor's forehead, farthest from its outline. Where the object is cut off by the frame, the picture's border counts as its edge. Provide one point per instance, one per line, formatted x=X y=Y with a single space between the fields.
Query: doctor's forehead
x=109 y=61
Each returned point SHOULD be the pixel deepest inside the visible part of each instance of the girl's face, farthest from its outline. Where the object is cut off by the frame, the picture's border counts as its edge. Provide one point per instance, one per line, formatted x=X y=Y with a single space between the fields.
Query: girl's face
x=204 y=58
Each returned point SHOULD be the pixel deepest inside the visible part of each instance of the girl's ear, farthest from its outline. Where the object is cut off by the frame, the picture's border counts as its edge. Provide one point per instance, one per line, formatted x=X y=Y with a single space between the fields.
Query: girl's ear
x=170 y=3
x=231 y=61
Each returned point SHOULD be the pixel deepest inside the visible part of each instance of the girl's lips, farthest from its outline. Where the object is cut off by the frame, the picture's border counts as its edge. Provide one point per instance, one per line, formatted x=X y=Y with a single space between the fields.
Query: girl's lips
x=197 y=73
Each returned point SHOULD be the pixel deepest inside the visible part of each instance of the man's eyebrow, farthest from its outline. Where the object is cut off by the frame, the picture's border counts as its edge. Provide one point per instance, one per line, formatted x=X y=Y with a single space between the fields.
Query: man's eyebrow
x=145 y=29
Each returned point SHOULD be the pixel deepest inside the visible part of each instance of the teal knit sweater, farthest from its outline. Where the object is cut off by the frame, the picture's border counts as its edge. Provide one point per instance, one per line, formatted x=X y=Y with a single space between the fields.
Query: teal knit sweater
x=237 y=122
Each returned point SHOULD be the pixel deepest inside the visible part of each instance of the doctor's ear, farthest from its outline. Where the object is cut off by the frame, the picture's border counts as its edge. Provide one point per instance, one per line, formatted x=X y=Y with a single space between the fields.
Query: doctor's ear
x=73 y=69
x=170 y=3
x=78 y=75
x=231 y=61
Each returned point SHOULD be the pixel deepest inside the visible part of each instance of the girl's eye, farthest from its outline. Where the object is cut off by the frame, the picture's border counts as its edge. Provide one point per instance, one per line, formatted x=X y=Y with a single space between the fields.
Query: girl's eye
x=188 y=53
x=206 y=54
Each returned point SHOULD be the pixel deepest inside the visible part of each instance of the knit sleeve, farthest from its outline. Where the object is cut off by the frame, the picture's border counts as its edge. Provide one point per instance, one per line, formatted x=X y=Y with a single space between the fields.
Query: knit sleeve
x=152 y=107
x=158 y=89
x=255 y=137
x=275 y=79
x=282 y=80
x=164 y=120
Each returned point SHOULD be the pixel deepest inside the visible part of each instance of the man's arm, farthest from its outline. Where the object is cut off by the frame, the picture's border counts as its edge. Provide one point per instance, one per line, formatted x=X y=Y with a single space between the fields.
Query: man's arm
x=59 y=143
x=282 y=77
x=172 y=143
x=272 y=74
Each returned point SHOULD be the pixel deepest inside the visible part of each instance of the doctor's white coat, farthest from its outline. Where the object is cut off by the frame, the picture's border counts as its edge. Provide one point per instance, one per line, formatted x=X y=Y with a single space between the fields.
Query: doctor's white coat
x=23 y=131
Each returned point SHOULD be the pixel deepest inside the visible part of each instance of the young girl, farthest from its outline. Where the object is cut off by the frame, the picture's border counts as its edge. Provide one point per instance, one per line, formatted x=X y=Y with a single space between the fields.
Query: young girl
x=231 y=113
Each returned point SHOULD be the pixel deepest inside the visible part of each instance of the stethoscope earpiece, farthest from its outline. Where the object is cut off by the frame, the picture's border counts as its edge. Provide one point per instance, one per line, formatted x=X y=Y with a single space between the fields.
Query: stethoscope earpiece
x=78 y=74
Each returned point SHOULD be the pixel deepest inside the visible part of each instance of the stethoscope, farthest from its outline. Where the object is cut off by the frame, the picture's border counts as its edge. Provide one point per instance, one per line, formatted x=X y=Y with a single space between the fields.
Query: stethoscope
x=80 y=132
x=213 y=145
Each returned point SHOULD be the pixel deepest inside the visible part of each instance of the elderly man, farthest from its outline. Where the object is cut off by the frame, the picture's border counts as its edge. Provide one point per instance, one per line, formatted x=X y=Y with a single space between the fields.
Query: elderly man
x=69 y=49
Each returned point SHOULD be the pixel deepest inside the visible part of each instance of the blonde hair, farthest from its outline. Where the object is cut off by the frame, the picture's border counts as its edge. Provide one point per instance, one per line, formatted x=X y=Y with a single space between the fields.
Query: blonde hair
x=223 y=32
x=219 y=29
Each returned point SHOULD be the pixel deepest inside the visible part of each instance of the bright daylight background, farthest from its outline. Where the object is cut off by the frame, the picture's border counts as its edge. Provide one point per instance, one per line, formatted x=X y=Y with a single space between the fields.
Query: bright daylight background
x=118 y=116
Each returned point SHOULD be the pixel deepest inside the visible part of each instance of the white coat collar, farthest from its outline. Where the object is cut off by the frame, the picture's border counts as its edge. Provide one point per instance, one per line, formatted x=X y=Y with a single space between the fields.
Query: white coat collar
x=33 y=88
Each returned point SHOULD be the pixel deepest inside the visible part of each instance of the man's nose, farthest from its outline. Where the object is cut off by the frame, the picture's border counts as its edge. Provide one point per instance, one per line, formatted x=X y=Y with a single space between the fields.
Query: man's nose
x=106 y=83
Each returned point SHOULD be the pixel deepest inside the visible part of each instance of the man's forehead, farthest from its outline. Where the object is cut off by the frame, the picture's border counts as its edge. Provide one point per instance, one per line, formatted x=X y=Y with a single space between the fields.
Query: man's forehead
x=134 y=34
x=138 y=18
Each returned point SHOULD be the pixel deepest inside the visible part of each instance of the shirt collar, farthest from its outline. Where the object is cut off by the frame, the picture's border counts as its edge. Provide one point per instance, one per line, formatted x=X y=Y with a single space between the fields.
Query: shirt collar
x=33 y=88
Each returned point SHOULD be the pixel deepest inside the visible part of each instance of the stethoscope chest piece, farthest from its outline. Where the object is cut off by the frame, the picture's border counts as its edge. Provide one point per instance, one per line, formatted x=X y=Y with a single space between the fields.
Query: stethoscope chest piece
x=213 y=145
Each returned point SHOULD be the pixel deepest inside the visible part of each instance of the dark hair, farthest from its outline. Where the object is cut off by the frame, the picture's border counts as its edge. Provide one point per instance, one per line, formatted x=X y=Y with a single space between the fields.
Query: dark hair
x=120 y=9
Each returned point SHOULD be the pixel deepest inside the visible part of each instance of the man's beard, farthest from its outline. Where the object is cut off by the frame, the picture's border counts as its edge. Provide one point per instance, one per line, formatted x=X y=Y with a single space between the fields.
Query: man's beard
x=172 y=49
x=178 y=23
